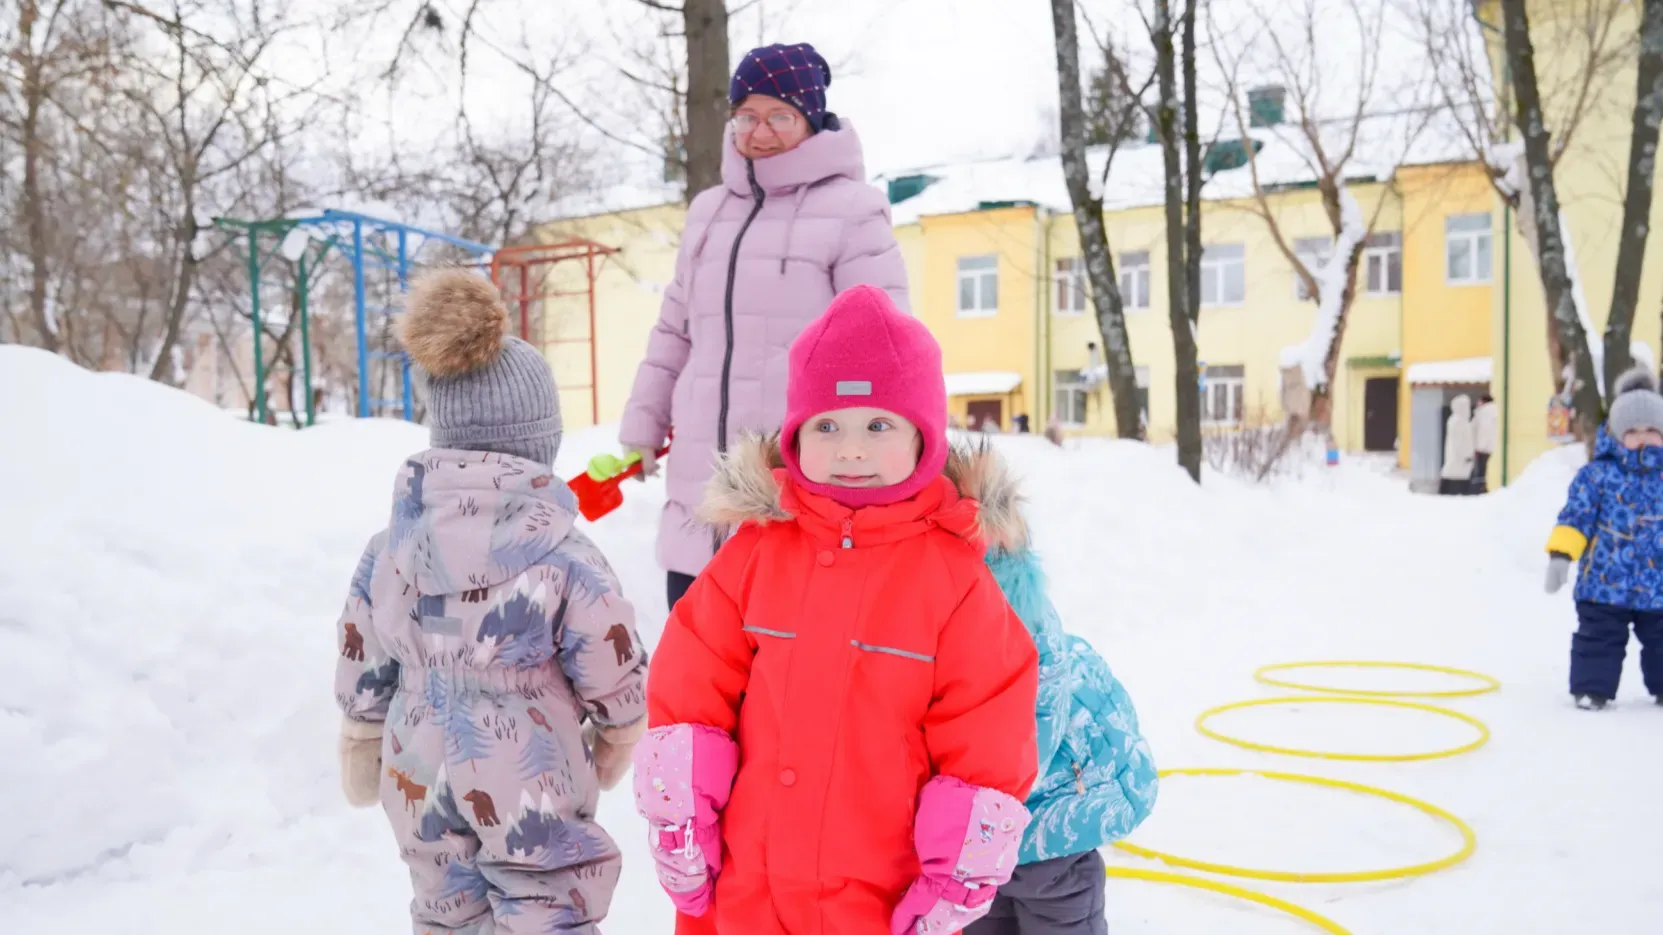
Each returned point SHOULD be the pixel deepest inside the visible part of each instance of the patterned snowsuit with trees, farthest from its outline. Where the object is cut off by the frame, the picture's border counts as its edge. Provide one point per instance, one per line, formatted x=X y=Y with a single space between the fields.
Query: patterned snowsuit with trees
x=484 y=629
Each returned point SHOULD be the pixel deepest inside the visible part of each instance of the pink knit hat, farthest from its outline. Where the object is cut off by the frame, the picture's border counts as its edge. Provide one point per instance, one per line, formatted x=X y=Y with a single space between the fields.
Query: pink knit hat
x=863 y=351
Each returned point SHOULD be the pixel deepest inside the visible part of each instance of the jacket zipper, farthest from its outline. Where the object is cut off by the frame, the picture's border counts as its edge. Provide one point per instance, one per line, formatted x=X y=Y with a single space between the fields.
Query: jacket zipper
x=759 y=196
x=848 y=533
x=727 y=304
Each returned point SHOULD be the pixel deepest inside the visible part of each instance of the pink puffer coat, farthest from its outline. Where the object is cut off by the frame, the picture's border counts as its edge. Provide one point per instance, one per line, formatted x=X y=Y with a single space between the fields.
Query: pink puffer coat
x=762 y=256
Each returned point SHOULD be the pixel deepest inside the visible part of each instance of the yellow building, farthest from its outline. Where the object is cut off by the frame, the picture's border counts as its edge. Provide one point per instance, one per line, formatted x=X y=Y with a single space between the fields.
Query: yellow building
x=993 y=266
x=1411 y=321
x=1590 y=179
x=629 y=287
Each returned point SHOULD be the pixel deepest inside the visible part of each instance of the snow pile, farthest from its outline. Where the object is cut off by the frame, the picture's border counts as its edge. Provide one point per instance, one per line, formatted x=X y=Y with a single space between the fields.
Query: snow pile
x=170 y=577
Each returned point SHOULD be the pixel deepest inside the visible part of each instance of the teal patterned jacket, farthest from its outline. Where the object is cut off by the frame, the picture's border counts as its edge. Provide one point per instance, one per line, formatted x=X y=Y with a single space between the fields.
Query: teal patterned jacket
x=1097 y=777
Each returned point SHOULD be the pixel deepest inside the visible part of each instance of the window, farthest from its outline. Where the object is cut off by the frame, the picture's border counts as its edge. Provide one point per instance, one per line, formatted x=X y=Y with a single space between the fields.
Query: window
x=1070 y=393
x=1383 y=264
x=1467 y=249
x=1070 y=286
x=1143 y=393
x=1221 y=394
x=1314 y=253
x=1134 y=280
x=978 y=286
x=1224 y=274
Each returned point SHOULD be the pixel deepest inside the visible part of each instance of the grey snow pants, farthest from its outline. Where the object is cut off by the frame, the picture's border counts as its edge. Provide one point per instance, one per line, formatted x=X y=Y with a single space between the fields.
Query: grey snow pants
x=1060 y=896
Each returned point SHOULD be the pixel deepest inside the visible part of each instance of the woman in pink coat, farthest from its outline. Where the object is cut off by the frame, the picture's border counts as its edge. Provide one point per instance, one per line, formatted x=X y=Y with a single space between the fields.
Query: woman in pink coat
x=792 y=224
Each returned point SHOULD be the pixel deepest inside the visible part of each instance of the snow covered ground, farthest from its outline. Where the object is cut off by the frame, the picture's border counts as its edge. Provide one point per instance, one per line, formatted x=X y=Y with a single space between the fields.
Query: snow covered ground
x=169 y=578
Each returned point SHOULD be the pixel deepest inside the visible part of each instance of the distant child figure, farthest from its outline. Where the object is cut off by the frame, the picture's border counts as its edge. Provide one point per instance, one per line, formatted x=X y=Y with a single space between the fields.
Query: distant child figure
x=480 y=632
x=1486 y=432
x=842 y=707
x=1097 y=777
x=1612 y=524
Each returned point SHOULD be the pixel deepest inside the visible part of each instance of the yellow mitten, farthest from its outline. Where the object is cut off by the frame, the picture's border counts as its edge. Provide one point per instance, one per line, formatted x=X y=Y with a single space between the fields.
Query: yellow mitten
x=361 y=762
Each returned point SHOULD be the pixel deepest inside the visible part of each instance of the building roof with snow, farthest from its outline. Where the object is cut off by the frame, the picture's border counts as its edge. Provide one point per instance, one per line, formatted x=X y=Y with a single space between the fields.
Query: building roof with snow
x=1285 y=159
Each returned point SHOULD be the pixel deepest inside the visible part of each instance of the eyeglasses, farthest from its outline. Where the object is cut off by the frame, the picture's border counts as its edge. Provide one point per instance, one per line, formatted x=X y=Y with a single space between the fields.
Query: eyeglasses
x=780 y=121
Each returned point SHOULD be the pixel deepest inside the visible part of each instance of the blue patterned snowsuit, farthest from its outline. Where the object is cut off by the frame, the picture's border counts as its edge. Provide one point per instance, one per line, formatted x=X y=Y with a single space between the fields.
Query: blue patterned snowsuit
x=1612 y=524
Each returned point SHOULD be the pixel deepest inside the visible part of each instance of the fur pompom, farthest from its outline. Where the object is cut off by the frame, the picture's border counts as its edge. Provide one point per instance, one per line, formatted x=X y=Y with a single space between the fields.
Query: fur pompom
x=454 y=322
x=1636 y=378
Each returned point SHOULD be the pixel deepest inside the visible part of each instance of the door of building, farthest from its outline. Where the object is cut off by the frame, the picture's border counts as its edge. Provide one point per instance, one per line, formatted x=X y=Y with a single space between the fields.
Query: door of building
x=985 y=413
x=1380 y=414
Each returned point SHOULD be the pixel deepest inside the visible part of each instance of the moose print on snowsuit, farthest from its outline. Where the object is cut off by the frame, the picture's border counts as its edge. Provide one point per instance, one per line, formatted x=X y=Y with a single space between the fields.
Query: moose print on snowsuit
x=480 y=627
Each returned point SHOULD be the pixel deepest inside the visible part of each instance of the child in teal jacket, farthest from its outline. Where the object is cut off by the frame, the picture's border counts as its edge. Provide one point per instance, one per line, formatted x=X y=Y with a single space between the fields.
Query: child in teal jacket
x=1097 y=779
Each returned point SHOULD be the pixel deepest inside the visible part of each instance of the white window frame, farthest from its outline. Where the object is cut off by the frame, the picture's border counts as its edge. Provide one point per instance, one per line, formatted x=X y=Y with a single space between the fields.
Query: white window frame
x=1379 y=252
x=1069 y=286
x=1074 y=384
x=1216 y=259
x=1226 y=383
x=981 y=273
x=1464 y=229
x=1135 y=280
x=1314 y=253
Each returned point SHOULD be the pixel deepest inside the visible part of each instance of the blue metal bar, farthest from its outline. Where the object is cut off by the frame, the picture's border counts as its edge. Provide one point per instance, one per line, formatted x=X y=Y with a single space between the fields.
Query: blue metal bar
x=403 y=286
x=402 y=229
x=358 y=304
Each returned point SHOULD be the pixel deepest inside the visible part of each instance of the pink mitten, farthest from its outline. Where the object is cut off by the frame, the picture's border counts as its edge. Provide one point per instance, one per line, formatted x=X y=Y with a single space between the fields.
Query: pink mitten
x=967 y=837
x=683 y=774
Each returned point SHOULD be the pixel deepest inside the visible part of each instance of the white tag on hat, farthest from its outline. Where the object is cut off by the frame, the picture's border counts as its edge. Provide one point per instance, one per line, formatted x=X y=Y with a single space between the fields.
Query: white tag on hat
x=854 y=387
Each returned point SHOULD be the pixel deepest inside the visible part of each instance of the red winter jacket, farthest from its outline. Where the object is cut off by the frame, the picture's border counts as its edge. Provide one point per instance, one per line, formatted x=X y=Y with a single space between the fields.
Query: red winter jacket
x=853 y=655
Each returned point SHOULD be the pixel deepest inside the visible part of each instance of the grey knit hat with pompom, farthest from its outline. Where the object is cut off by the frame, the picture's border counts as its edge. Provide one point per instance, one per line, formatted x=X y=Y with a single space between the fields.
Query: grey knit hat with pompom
x=1637 y=405
x=487 y=390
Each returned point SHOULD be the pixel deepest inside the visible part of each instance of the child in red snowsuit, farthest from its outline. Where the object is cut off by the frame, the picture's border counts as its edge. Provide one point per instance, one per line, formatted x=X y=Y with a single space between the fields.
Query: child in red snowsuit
x=840 y=712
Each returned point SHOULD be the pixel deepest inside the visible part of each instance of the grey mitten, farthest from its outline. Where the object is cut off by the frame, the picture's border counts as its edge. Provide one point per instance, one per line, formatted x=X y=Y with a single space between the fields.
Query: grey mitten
x=1559 y=571
x=361 y=762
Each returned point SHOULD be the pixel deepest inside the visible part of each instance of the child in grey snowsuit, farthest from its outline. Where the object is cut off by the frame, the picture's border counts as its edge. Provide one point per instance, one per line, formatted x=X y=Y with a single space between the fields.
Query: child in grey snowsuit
x=481 y=632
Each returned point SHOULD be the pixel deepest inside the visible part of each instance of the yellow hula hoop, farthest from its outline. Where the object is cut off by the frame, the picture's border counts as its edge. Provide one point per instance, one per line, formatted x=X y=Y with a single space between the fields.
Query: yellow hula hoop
x=1483 y=731
x=1469 y=840
x=1199 y=883
x=1487 y=683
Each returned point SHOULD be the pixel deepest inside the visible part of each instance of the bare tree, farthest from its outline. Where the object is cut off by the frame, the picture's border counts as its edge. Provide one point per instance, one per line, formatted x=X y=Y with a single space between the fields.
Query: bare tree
x=1180 y=304
x=1088 y=217
x=54 y=53
x=1590 y=46
x=705 y=33
x=209 y=108
x=1642 y=170
x=1550 y=251
x=1306 y=60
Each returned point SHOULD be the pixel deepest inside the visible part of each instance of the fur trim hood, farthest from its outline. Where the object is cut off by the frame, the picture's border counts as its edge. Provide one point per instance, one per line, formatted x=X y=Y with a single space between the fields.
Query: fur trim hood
x=746 y=490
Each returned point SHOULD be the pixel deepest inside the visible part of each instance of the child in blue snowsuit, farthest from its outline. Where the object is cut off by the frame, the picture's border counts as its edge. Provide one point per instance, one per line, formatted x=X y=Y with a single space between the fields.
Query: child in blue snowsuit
x=1612 y=524
x=1096 y=781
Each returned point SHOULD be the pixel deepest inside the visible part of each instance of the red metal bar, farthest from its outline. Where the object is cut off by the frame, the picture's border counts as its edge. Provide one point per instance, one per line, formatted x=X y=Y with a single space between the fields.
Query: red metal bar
x=525 y=303
x=594 y=356
x=526 y=256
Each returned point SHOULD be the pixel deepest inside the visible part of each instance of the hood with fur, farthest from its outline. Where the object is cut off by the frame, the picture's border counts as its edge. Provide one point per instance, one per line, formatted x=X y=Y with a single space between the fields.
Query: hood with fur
x=746 y=489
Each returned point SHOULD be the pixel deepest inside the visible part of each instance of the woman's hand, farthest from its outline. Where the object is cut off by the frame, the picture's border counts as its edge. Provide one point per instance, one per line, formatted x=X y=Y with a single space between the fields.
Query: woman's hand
x=649 y=461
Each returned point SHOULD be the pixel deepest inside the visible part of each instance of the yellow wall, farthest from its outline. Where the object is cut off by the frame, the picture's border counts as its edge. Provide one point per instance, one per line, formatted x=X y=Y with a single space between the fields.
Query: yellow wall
x=1006 y=341
x=1441 y=321
x=628 y=292
x=1590 y=180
